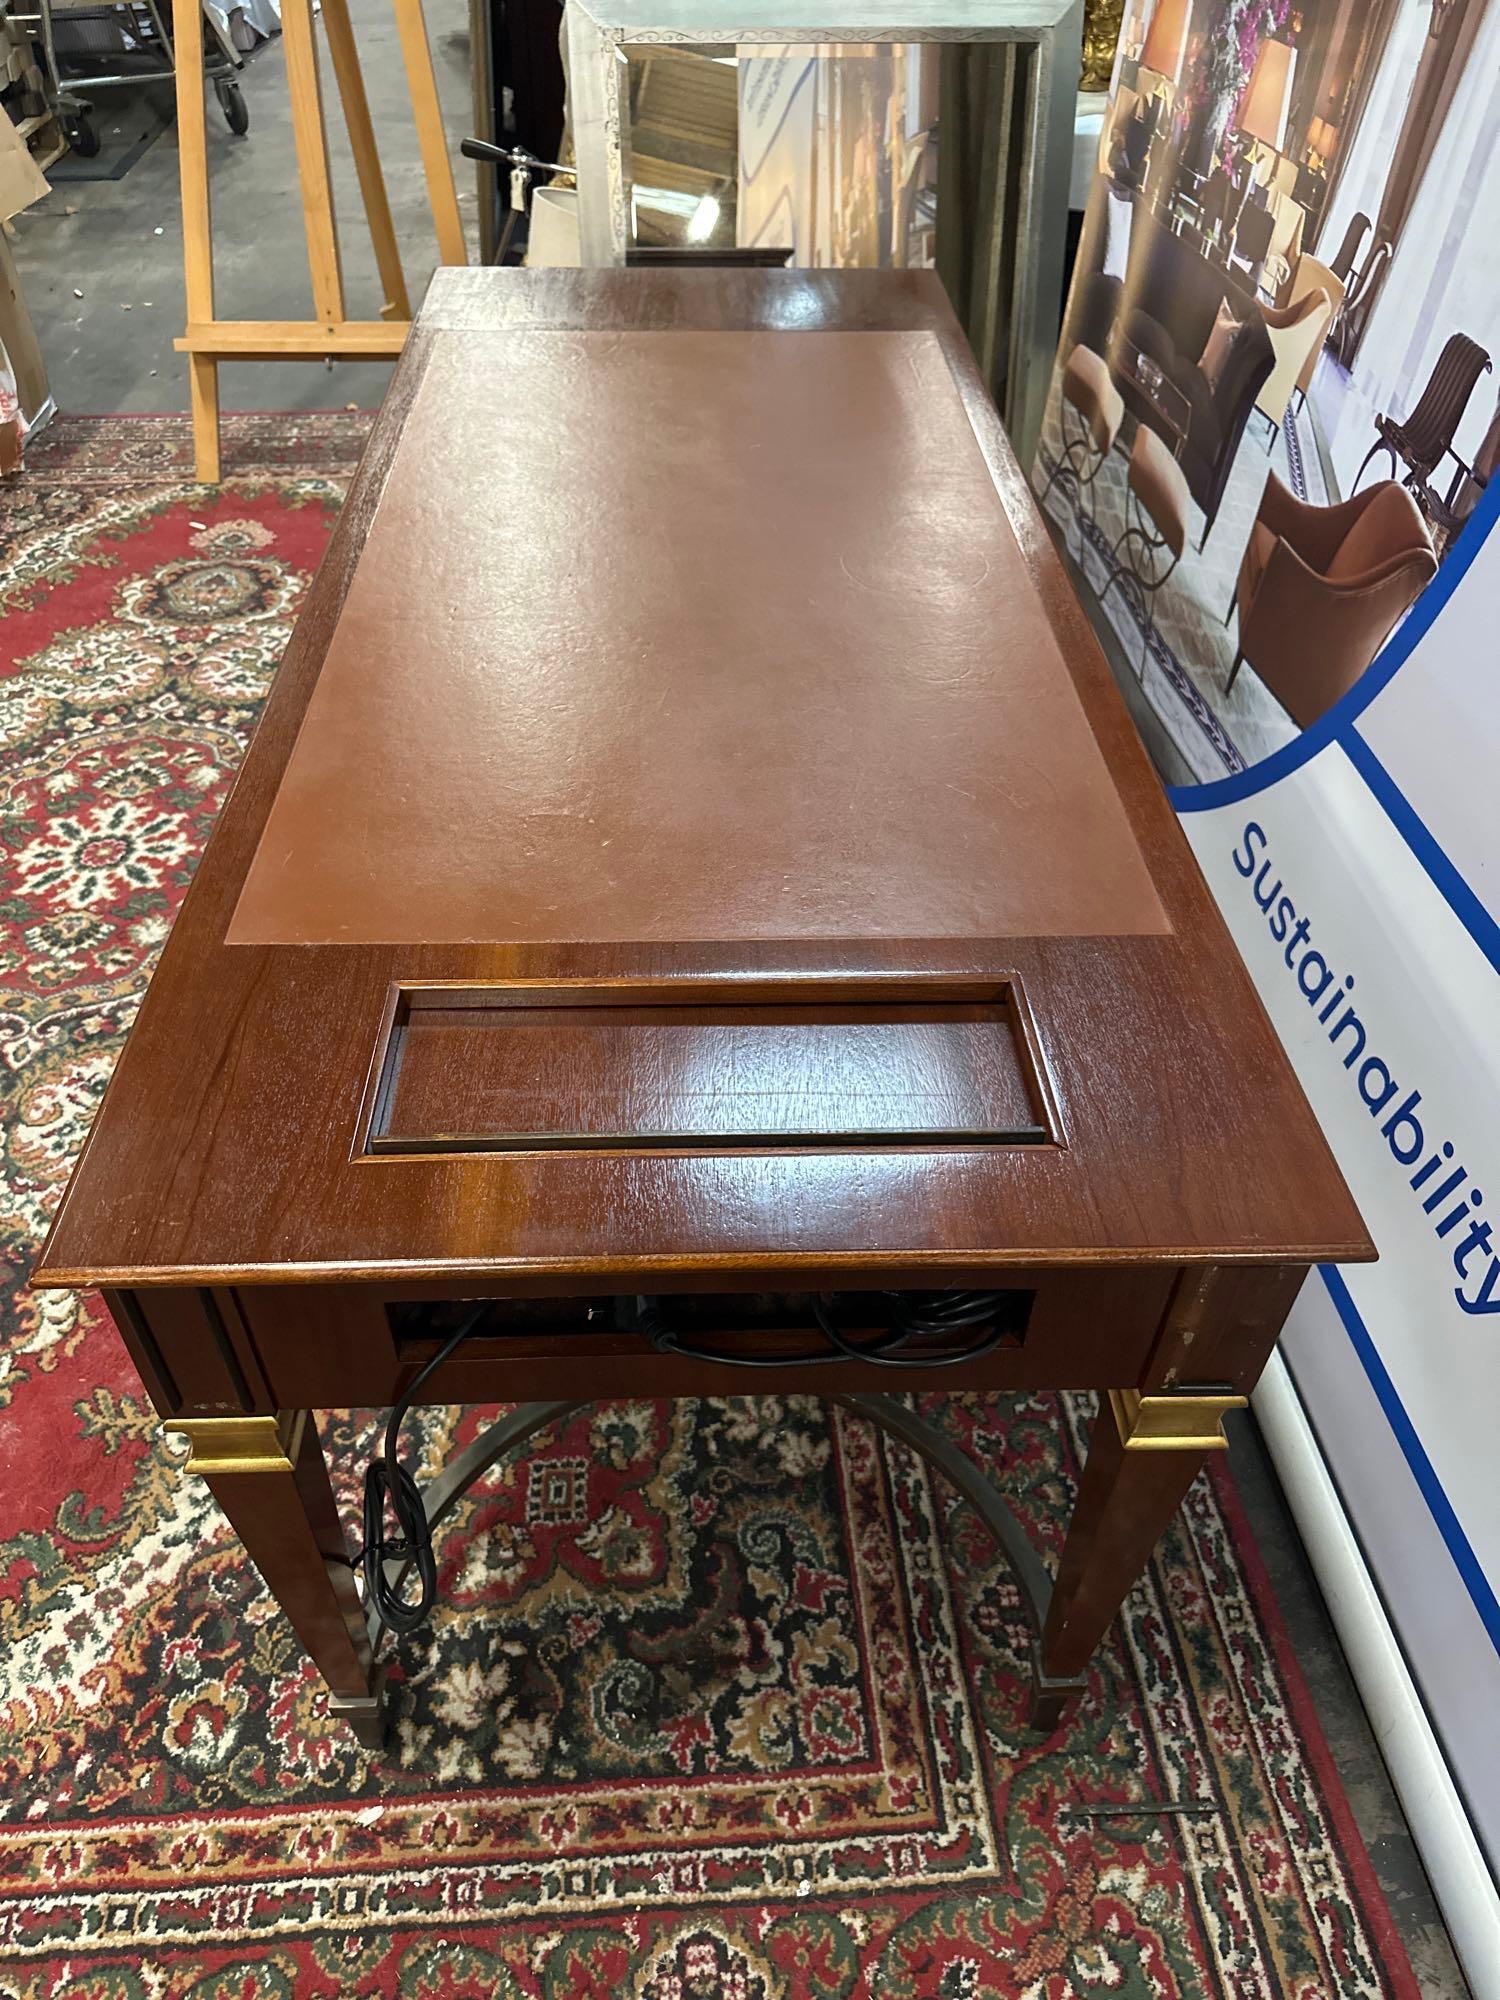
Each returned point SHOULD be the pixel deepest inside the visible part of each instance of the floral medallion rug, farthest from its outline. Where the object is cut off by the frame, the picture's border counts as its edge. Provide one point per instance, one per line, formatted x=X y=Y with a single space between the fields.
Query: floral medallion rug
x=722 y=1700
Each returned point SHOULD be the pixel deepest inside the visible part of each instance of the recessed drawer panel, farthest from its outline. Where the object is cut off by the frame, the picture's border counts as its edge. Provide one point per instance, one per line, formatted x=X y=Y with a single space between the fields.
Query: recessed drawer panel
x=550 y=1069
x=565 y=1336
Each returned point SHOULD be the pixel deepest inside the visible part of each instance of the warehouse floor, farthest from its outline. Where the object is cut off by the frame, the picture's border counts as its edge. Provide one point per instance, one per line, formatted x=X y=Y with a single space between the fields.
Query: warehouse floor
x=101 y=260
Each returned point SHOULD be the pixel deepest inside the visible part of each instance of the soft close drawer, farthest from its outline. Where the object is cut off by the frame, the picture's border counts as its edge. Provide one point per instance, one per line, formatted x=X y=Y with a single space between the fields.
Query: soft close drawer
x=585 y=1068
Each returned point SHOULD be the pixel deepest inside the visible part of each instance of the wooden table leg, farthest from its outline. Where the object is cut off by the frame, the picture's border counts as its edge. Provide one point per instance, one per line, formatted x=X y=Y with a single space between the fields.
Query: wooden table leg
x=203 y=393
x=344 y=50
x=421 y=83
x=197 y=237
x=1144 y=1454
x=270 y=1477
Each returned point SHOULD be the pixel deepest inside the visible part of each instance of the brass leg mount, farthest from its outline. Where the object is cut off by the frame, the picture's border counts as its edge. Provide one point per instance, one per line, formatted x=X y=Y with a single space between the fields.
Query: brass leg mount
x=1185 y=1420
x=218 y=1445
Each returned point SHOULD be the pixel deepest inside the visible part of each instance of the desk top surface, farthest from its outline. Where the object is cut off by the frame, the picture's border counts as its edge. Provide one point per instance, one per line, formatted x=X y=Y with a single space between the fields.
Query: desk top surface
x=693 y=825
x=692 y=635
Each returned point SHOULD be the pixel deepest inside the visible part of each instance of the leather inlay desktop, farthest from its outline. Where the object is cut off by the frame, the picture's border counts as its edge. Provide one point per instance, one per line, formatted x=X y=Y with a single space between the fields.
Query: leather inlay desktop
x=692 y=636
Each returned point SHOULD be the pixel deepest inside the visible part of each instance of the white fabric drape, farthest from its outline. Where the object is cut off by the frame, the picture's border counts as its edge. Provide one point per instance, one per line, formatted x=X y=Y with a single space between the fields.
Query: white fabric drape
x=1364 y=174
x=1445 y=277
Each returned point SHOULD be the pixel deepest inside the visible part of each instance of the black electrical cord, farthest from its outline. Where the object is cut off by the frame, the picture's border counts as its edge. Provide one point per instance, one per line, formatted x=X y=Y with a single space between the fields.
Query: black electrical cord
x=914 y=1316
x=387 y=1480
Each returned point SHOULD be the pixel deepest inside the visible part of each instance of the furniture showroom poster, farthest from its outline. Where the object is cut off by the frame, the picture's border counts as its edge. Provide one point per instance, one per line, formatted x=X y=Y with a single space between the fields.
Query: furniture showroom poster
x=1268 y=455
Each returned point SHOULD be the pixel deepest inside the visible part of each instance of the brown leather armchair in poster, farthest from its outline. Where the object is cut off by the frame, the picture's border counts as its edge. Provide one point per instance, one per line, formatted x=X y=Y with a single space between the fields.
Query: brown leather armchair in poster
x=1320 y=589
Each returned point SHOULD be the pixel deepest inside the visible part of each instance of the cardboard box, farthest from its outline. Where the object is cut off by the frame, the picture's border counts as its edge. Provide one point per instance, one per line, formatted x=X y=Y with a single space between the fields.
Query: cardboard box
x=25 y=398
x=21 y=181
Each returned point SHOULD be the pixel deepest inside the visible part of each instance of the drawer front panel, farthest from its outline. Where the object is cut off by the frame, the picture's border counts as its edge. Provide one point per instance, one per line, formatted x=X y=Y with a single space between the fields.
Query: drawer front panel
x=331 y=1347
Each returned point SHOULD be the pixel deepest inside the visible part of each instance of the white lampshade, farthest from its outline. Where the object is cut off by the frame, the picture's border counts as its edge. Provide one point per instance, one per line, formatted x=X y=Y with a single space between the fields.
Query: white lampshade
x=1268 y=95
x=553 y=240
x=1167 y=38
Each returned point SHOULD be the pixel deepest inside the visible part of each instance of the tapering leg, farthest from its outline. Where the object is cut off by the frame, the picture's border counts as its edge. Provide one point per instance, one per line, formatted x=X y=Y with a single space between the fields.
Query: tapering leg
x=270 y=1477
x=1380 y=445
x=197 y=238
x=203 y=388
x=344 y=50
x=1144 y=1454
x=310 y=135
x=416 y=51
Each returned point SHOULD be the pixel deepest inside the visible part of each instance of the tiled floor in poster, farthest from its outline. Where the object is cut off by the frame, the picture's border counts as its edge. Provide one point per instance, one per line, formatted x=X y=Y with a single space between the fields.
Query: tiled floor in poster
x=1182 y=666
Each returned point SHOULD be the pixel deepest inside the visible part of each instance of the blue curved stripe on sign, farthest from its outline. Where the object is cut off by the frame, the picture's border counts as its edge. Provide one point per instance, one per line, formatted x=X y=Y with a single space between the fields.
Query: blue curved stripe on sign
x=1438 y=1504
x=747 y=174
x=1408 y=822
x=1291 y=757
x=1338 y=726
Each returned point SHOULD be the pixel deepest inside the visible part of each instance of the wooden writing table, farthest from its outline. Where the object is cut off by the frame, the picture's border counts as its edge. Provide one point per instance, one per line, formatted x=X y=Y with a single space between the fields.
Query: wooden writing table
x=694 y=853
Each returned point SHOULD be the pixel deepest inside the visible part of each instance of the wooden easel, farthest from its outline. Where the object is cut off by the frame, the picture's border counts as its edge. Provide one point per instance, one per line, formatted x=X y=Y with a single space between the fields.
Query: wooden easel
x=208 y=340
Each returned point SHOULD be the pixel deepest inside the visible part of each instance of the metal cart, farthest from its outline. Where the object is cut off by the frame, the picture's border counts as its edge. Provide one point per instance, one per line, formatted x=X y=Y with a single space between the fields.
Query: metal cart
x=107 y=47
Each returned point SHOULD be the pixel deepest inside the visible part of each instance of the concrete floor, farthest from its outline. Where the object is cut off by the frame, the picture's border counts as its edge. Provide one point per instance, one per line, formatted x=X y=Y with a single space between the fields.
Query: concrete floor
x=1377 y=1811
x=118 y=242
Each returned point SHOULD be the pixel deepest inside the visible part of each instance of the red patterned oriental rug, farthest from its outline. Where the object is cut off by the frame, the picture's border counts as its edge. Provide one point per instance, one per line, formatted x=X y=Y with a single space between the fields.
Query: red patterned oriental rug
x=723 y=1700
